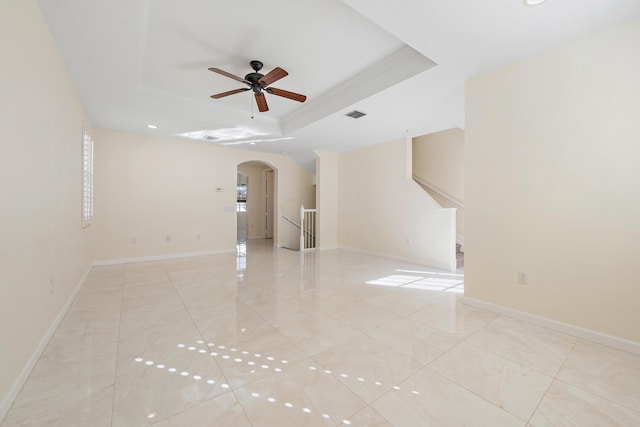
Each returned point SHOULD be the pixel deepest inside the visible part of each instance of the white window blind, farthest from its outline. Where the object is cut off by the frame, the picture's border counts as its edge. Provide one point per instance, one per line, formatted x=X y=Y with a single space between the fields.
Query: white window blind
x=87 y=178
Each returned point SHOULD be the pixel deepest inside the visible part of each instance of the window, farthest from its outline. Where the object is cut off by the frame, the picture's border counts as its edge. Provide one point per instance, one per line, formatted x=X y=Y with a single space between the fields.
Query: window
x=241 y=196
x=87 y=178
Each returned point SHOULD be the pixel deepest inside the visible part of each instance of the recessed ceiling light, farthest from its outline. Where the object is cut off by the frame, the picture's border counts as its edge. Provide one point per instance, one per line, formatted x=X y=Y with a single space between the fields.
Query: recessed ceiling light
x=533 y=2
x=252 y=143
x=152 y=126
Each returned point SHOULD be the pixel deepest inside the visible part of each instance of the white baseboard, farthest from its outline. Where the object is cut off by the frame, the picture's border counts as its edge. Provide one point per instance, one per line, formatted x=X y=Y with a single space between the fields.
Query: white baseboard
x=162 y=257
x=329 y=248
x=8 y=399
x=397 y=258
x=565 y=328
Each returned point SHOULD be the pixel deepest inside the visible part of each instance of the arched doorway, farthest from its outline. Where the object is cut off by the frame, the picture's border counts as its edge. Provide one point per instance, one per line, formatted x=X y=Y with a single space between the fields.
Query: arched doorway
x=256 y=204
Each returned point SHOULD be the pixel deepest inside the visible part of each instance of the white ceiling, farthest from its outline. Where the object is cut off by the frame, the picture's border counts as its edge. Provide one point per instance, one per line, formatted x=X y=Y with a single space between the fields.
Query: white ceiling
x=404 y=63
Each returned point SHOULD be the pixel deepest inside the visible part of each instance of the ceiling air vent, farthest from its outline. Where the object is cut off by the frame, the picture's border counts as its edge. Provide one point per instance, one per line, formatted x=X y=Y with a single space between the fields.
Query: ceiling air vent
x=355 y=114
x=210 y=138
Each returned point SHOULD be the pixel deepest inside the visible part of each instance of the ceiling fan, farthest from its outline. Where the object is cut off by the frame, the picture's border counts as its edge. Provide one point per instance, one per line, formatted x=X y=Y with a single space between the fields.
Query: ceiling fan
x=259 y=84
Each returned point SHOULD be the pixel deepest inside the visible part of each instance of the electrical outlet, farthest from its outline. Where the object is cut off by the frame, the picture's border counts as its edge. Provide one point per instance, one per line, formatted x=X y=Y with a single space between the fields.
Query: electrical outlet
x=50 y=286
x=522 y=278
x=197 y=236
x=168 y=238
x=134 y=240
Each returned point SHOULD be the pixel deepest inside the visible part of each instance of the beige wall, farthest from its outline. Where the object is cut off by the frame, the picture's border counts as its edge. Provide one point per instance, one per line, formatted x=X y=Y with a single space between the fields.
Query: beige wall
x=438 y=159
x=255 y=191
x=150 y=188
x=40 y=159
x=552 y=184
x=327 y=199
x=382 y=210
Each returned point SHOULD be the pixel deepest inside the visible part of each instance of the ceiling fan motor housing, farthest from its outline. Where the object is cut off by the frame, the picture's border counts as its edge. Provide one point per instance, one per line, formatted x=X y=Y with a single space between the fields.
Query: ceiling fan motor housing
x=253 y=79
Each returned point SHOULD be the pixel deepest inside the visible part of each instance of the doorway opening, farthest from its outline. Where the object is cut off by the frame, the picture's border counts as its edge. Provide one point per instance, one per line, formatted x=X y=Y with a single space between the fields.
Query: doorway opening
x=241 y=207
x=256 y=201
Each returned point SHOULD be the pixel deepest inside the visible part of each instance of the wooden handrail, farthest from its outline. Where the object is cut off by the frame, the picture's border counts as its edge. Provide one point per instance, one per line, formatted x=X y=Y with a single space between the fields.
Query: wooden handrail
x=440 y=193
x=290 y=221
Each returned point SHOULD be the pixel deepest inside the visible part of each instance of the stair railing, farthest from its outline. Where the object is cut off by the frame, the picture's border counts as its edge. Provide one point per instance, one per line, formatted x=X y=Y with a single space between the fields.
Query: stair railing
x=430 y=188
x=290 y=221
x=307 y=229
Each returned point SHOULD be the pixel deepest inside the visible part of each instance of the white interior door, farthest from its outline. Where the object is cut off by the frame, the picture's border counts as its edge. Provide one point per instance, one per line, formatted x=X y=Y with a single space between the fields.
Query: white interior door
x=241 y=207
x=268 y=204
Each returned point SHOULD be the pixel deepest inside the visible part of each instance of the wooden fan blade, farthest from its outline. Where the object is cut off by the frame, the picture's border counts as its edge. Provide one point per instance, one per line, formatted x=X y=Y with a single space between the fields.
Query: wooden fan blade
x=231 y=92
x=272 y=76
x=261 y=100
x=287 y=94
x=231 y=76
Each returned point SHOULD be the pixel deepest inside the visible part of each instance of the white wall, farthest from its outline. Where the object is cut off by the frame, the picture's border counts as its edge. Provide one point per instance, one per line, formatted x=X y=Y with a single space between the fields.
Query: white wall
x=327 y=199
x=552 y=184
x=438 y=159
x=40 y=182
x=150 y=188
x=382 y=210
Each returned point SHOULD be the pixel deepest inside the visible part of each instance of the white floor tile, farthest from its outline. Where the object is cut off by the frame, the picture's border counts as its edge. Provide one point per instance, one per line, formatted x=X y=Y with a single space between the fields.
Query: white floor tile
x=605 y=372
x=567 y=406
x=538 y=348
x=508 y=385
x=428 y=399
x=272 y=337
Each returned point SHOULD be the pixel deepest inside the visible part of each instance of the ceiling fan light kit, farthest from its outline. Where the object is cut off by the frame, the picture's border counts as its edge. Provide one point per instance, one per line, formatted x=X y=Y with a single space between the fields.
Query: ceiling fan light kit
x=260 y=84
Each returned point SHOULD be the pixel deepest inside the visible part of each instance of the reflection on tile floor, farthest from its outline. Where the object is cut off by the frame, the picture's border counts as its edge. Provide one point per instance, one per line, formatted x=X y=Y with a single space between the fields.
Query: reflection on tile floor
x=271 y=337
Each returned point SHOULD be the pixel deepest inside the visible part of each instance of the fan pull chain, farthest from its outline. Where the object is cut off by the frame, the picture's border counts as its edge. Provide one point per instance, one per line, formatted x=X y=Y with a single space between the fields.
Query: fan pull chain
x=251 y=99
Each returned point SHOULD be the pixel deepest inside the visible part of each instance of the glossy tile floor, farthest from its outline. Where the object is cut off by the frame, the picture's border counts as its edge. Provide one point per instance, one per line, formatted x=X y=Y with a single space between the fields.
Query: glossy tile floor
x=278 y=338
